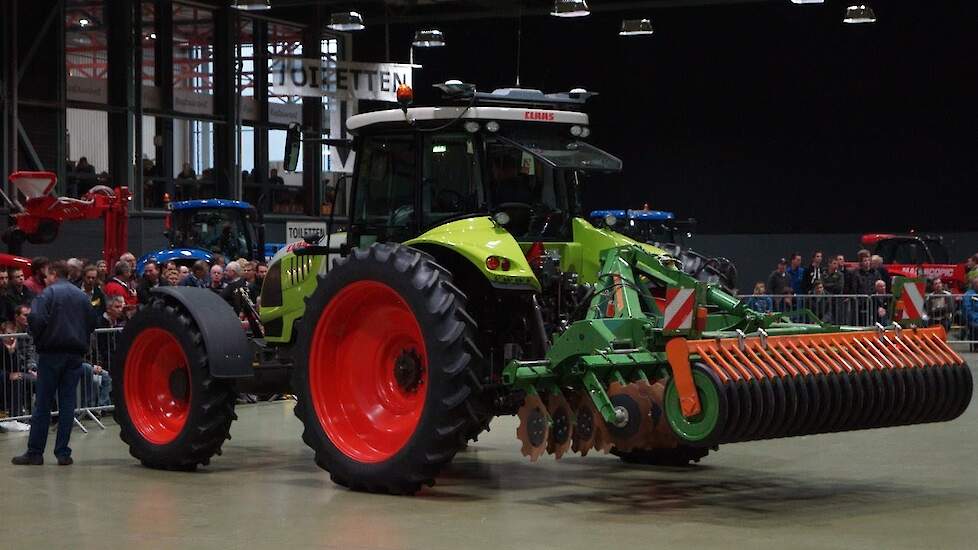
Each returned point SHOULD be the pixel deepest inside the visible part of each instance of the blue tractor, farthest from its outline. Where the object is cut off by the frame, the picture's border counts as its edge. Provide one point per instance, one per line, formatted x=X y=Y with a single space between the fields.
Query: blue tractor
x=199 y=229
x=662 y=229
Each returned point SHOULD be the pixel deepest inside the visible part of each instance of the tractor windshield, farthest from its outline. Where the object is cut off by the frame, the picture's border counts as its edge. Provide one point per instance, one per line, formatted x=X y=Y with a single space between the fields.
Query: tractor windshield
x=535 y=176
x=223 y=231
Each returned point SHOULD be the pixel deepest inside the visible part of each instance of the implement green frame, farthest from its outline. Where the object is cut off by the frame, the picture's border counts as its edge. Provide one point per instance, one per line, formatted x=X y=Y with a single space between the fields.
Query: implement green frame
x=622 y=337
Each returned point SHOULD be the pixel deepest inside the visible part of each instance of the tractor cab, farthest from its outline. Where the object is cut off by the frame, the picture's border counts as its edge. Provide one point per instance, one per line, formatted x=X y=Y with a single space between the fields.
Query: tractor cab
x=519 y=156
x=908 y=249
x=199 y=229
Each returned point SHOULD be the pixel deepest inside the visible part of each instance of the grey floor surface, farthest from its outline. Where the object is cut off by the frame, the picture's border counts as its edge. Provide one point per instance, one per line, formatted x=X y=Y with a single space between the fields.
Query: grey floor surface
x=910 y=487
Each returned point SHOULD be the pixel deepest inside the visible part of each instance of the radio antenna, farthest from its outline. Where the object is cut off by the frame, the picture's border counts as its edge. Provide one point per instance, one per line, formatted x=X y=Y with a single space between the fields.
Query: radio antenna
x=519 y=41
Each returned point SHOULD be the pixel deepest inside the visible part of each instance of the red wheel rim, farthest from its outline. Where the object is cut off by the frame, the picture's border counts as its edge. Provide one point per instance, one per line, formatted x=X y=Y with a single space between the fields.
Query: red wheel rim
x=368 y=371
x=156 y=368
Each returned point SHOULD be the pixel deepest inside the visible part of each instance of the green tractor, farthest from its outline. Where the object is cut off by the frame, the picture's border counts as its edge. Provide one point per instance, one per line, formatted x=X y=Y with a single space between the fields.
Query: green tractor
x=470 y=285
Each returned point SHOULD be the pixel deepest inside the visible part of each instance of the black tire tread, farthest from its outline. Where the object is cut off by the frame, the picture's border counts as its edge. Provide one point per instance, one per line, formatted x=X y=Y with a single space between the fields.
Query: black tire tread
x=213 y=405
x=452 y=329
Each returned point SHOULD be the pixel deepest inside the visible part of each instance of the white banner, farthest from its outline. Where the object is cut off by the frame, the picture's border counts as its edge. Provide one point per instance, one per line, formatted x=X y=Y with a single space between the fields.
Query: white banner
x=187 y=101
x=284 y=113
x=296 y=231
x=88 y=89
x=294 y=76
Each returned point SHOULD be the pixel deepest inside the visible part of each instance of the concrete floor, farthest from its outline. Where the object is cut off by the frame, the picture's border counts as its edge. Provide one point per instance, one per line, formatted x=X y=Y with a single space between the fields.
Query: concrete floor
x=912 y=487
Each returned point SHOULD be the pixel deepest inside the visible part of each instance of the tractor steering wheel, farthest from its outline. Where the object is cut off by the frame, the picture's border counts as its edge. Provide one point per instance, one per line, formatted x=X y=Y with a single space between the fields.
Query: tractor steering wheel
x=450 y=199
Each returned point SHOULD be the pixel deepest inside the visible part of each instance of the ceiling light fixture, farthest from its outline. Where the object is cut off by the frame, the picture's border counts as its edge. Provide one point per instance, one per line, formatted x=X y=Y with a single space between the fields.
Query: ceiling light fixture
x=346 y=21
x=859 y=13
x=570 y=8
x=634 y=27
x=431 y=38
x=807 y=1
x=252 y=5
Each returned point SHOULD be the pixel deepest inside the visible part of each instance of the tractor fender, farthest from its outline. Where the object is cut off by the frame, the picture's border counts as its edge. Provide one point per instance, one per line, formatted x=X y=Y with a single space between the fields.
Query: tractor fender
x=229 y=353
x=478 y=238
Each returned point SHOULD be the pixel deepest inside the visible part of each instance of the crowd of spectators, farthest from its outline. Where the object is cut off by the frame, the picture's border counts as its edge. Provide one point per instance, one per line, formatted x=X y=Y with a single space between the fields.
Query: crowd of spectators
x=115 y=297
x=858 y=293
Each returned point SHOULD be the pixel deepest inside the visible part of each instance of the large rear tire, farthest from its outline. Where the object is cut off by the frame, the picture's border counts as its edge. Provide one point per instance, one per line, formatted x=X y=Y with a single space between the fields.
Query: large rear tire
x=171 y=412
x=383 y=370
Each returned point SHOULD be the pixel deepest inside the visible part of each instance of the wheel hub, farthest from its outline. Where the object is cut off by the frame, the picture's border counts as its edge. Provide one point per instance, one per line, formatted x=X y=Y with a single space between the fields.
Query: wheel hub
x=537 y=428
x=561 y=426
x=407 y=371
x=179 y=384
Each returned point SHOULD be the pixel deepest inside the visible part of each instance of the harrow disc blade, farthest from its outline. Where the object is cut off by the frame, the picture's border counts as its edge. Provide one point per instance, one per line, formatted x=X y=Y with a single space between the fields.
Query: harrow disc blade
x=534 y=427
x=562 y=429
x=661 y=435
x=589 y=430
x=635 y=432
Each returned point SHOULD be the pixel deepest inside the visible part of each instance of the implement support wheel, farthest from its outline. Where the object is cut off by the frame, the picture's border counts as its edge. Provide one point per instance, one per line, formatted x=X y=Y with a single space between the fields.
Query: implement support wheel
x=704 y=429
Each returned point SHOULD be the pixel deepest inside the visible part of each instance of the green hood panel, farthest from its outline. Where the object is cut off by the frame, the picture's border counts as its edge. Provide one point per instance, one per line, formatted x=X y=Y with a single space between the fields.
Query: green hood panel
x=478 y=238
x=590 y=241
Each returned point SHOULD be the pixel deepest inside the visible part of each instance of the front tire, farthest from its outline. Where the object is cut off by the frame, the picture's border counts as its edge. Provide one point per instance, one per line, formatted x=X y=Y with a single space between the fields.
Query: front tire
x=383 y=370
x=171 y=412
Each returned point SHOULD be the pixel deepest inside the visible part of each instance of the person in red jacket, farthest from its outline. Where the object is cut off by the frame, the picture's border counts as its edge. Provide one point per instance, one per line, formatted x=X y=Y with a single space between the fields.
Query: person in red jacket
x=119 y=285
x=39 y=268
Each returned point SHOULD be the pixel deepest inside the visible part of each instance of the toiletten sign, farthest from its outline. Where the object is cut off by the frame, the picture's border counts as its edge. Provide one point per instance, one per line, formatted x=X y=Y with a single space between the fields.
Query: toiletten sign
x=295 y=76
x=296 y=231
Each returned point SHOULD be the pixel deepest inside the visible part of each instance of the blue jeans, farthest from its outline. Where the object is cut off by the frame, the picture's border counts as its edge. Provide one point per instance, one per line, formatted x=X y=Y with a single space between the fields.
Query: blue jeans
x=57 y=375
x=95 y=394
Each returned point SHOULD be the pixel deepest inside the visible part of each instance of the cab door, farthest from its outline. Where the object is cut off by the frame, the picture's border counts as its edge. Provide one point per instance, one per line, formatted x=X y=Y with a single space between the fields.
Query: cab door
x=385 y=192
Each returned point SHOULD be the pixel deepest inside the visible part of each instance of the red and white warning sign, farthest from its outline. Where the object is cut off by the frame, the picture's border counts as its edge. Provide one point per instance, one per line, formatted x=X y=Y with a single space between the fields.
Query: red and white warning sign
x=679 y=309
x=913 y=301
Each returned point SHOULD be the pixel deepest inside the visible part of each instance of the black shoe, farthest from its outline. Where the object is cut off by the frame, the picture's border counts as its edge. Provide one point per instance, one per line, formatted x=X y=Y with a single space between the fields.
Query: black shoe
x=65 y=461
x=27 y=460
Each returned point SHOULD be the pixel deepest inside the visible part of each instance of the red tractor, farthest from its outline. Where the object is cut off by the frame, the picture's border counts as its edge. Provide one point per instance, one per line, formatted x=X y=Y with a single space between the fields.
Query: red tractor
x=38 y=219
x=915 y=255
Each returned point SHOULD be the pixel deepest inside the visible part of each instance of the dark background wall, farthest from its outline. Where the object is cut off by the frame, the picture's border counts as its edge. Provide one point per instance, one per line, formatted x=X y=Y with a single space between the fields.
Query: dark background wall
x=754 y=118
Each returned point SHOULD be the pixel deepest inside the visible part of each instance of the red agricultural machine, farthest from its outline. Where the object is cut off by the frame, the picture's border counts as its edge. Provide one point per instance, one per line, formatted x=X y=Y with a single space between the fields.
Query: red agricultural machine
x=916 y=255
x=38 y=219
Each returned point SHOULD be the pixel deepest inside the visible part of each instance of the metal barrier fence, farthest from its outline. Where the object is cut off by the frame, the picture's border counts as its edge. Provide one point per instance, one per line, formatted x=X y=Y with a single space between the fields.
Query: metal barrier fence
x=18 y=368
x=957 y=312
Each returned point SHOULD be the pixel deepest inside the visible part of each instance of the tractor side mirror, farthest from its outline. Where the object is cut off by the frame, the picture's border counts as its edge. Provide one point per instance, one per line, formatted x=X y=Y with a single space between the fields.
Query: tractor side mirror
x=293 y=143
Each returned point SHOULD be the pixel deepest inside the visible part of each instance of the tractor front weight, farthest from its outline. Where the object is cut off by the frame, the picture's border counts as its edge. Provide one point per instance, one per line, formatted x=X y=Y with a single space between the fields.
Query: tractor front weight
x=662 y=360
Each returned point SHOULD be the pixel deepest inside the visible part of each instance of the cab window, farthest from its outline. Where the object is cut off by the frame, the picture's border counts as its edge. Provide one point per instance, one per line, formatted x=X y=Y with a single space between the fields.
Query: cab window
x=909 y=252
x=538 y=198
x=452 y=183
x=386 y=183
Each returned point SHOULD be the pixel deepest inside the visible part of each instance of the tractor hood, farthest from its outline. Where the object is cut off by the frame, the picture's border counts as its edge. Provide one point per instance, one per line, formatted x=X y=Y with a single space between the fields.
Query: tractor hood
x=185 y=256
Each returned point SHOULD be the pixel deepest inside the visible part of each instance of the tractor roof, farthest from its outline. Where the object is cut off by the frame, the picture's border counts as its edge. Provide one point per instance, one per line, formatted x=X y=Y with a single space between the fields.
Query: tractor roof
x=209 y=203
x=870 y=239
x=641 y=215
x=522 y=114
x=512 y=104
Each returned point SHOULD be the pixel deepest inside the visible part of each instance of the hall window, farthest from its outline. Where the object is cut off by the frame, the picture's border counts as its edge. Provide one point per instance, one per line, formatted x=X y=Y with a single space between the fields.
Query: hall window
x=193 y=59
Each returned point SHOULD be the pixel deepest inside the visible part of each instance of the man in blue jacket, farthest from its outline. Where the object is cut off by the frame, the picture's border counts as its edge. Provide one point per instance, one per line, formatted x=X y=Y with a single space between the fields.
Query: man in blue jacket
x=61 y=322
x=796 y=273
x=969 y=308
